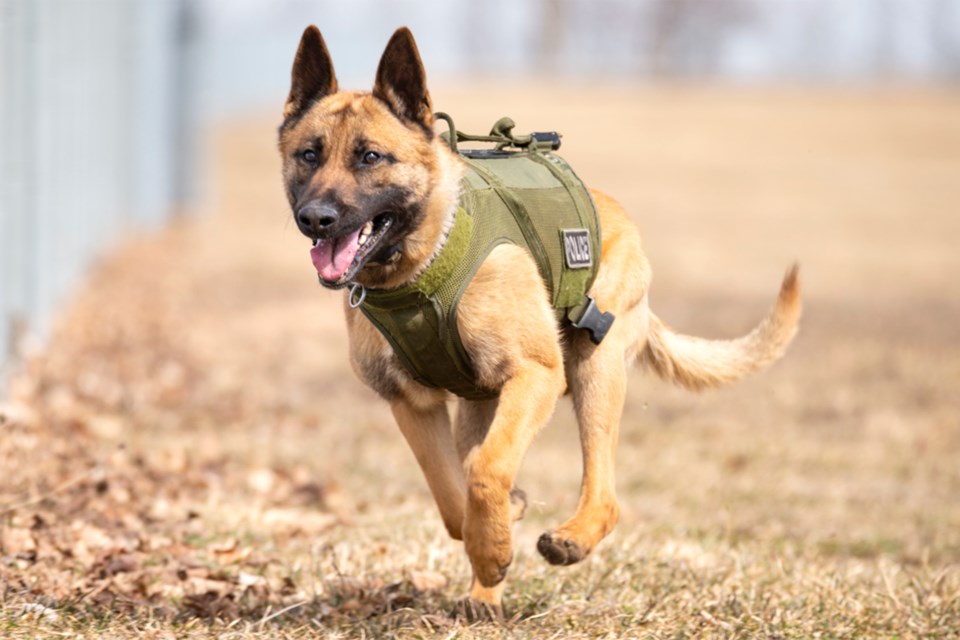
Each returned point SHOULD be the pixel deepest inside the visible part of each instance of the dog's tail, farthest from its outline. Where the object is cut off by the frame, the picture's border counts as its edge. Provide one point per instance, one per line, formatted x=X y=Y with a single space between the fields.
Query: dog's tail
x=697 y=363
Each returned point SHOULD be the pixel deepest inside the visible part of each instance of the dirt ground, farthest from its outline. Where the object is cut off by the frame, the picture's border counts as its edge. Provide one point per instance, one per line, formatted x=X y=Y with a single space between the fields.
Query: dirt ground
x=191 y=455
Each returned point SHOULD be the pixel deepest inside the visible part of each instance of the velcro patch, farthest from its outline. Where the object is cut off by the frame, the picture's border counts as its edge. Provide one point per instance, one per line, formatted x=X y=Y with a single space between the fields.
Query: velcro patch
x=576 y=248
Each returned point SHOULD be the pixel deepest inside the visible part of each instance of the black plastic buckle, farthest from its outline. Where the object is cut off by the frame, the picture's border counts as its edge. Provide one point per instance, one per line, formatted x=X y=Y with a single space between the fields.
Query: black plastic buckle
x=595 y=321
x=546 y=140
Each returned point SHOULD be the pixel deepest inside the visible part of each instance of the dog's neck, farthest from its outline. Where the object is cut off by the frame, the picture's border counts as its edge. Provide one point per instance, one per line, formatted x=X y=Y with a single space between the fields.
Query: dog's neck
x=420 y=248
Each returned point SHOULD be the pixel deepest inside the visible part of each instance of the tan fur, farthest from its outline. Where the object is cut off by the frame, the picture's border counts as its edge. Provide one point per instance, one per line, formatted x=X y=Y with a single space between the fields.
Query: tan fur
x=510 y=332
x=698 y=364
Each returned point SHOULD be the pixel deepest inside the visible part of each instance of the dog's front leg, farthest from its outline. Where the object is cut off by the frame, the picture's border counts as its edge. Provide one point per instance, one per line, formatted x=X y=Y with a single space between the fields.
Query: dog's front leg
x=526 y=401
x=428 y=432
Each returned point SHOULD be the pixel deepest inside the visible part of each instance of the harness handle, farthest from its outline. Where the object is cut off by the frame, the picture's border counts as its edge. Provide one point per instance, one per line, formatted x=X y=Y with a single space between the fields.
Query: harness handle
x=502 y=135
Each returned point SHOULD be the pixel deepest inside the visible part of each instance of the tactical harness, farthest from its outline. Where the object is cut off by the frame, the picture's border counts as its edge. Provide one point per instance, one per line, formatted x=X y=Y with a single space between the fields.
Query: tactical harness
x=518 y=193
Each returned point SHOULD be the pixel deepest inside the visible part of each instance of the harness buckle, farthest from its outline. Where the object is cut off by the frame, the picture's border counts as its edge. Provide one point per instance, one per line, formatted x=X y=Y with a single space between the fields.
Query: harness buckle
x=595 y=321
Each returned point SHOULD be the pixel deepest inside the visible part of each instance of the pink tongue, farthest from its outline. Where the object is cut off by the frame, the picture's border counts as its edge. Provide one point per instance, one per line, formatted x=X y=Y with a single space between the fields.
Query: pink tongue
x=333 y=257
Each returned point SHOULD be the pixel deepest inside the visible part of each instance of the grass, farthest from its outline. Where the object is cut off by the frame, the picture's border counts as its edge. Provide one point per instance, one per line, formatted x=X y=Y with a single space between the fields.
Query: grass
x=190 y=456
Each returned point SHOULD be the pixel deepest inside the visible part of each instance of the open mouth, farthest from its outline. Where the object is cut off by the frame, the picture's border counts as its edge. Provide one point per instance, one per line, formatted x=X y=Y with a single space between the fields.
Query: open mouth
x=339 y=259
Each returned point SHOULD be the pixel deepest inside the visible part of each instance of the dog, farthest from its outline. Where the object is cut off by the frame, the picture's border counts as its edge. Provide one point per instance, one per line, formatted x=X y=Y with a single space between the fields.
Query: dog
x=375 y=189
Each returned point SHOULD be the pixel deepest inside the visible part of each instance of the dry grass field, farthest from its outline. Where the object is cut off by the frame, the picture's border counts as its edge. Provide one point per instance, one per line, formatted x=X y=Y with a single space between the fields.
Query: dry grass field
x=191 y=456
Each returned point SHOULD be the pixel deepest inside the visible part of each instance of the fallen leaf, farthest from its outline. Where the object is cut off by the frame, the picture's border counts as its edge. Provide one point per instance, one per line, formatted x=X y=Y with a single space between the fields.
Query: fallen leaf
x=205 y=585
x=15 y=541
x=250 y=580
x=261 y=480
x=228 y=545
x=122 y=563
x=299 y=520
x=39 y=611
x=427 y=580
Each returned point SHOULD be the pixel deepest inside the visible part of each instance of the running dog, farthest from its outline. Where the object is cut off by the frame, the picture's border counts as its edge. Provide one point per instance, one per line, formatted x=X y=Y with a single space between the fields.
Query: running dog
x=376 y=190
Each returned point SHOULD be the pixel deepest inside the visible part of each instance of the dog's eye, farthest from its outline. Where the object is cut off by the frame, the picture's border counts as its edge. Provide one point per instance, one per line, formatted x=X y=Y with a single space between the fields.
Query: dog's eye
x=371 y=157
x=309 y=156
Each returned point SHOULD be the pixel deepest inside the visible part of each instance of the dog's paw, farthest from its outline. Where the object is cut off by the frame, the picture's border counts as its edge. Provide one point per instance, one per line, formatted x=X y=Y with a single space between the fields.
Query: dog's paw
x=518 y=504
x=489 y=545
x=471 y=610
x=560 y=551
x=489 y=571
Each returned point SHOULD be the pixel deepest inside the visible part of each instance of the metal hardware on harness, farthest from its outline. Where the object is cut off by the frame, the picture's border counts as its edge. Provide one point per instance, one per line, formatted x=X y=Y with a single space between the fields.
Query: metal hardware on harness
x=353 y=291
x=546 y=139
x=595 y=321
x=502 y=134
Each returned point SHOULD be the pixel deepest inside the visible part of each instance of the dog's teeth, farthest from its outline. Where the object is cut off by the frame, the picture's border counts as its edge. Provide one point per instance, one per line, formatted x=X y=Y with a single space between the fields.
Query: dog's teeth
x=365 y=232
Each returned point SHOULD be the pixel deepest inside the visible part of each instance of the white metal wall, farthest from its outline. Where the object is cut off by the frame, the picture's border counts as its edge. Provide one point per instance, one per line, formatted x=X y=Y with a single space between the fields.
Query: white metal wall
x=91 y=135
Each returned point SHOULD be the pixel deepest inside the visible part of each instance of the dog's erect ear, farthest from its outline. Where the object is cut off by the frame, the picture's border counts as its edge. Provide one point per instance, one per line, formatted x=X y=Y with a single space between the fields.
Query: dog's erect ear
x=402 y=82
x=312 y=77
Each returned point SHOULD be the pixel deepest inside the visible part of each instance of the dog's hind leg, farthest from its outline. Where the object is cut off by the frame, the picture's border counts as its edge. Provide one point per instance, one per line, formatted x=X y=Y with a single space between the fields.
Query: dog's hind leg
x=598 y=384
x=596 y=375
x=428 y=432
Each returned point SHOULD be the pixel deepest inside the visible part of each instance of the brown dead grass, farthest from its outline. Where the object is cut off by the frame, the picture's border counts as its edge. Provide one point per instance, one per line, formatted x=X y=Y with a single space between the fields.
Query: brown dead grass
x=191 y=456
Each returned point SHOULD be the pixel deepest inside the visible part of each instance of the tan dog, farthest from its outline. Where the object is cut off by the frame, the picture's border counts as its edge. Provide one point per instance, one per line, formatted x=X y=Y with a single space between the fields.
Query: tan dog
x=376 y=189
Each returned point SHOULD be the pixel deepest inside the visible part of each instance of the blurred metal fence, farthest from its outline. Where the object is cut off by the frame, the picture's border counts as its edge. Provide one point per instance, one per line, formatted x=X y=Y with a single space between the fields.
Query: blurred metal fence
x=92 y=135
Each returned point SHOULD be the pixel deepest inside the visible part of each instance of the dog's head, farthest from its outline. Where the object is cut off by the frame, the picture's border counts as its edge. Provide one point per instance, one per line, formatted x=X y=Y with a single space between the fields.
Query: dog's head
x=367 y=179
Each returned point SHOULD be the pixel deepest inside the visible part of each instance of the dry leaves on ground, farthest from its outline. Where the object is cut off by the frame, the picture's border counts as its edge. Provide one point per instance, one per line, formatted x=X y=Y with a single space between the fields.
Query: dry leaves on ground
x=91 y=526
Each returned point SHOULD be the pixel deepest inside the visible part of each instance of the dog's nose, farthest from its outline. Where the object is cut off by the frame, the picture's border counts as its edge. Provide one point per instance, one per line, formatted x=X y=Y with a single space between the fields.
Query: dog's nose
x=313 y=219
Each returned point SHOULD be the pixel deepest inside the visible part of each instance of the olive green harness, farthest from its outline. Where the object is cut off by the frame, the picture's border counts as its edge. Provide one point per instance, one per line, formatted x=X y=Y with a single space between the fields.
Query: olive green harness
x=528 y=197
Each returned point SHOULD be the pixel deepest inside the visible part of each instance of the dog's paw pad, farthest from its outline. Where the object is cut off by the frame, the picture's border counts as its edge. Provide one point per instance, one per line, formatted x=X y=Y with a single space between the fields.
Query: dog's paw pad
x=559 y=551
x=471 y=611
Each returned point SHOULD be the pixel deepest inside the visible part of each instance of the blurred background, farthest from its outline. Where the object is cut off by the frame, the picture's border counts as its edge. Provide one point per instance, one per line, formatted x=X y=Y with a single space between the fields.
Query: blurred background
x=106 y=103
x=177 y=376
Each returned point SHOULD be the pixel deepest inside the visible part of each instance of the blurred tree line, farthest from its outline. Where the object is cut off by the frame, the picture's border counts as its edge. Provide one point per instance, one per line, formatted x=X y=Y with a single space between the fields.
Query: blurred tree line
x=754 y=38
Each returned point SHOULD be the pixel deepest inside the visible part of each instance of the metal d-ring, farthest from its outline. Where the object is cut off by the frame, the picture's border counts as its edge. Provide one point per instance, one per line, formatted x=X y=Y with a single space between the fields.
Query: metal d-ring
x=353 y=291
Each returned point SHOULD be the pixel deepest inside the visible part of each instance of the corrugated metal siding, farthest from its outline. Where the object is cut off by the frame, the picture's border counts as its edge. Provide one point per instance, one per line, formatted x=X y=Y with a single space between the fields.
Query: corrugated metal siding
x=91 y=124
